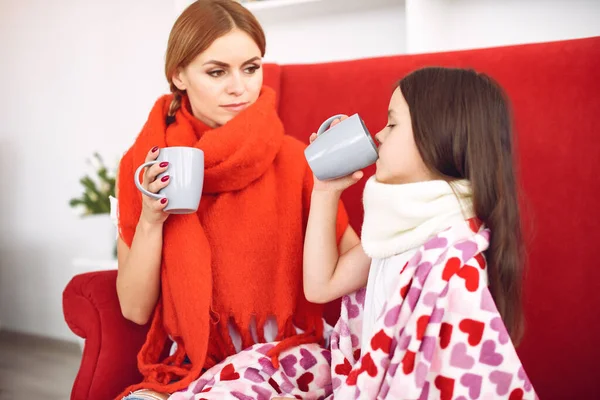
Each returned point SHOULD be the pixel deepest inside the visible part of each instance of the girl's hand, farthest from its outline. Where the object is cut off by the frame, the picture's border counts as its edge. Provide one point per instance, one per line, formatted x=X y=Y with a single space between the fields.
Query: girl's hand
x=152 y=209
x=339 y=184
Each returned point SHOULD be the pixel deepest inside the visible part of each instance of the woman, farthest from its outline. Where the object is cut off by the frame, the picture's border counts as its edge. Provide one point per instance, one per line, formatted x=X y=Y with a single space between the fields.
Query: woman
x=229 y=276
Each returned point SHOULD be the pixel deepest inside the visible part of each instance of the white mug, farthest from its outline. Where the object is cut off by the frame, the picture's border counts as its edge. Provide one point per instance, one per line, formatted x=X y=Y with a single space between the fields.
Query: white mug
x=342 y=149
x=186 y=178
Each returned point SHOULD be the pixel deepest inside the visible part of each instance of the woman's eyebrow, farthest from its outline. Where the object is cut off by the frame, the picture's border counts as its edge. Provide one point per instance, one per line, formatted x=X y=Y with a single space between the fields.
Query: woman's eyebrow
x=225 y=65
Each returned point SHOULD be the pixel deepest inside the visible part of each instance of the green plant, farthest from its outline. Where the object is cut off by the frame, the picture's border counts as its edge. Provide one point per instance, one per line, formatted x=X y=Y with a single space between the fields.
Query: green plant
x=95 y=198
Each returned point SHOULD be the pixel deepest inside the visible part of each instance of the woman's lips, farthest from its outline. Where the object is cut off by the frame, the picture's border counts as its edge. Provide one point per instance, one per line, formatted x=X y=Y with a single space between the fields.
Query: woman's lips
x=235 y=107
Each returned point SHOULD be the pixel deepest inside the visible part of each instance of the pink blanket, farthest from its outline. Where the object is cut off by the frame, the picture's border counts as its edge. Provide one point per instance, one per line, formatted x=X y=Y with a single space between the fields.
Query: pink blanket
x=439 y=337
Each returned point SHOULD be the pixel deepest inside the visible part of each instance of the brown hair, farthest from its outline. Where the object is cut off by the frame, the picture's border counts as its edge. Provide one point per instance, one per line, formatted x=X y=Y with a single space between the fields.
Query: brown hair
x=200 y=24
x=462 y=128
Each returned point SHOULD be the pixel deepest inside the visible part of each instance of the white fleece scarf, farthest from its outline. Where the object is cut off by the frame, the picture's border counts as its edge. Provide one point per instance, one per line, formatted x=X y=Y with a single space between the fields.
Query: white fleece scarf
x=402 y=217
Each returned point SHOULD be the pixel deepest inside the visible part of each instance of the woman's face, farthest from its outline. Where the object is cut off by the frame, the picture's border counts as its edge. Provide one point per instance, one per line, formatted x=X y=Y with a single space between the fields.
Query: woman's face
x=224 y=79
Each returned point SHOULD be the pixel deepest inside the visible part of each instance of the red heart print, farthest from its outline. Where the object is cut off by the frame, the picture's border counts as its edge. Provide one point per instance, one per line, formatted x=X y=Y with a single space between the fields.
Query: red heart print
x=445 y=334
x=228 y=373
x=480 y=260
x=421 y=326
x=471 y=277
x=368 y=365
x=352 y=377
x=343 y=369
x=404 y=289
x=403 y=268
x=274 y=385
x=356 y=354
x=474 y=224
x=516 y=394
x=408 y=362
x=381 y=341
x=472 y=328
x=452 y=266
x=445 y=386
x=304 y=380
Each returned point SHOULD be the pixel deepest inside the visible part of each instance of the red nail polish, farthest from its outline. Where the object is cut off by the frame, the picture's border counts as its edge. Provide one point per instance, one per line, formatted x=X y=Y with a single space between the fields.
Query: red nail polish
x=163 y=200
x=154 y=149
x=163 y=164
x=165 y=178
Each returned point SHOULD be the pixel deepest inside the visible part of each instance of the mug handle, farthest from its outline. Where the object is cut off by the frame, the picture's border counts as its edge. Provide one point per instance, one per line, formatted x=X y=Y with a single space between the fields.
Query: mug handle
x=136 y=179
x=325 y=125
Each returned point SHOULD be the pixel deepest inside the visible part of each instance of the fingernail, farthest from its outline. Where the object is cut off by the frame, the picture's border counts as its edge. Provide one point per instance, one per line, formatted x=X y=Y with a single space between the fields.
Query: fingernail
x=163 y=164
x=163 y=200
x=154 y=149
x=165 y=178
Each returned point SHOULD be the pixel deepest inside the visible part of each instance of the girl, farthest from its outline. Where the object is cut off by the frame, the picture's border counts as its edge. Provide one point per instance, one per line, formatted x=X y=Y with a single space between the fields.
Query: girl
x=440 y=254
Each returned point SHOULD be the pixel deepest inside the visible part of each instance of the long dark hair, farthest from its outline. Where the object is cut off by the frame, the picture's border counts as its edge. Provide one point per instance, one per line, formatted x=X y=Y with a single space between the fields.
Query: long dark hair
x=462 y=127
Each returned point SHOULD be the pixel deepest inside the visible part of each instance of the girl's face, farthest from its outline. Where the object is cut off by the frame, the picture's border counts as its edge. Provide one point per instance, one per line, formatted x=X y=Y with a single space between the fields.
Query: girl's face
x=224 y=79
x=399 y=159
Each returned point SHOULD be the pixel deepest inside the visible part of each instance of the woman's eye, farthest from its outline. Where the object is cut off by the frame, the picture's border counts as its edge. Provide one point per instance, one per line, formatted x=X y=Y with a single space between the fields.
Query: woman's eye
x=252 y=69
x=216 y=73
x=390 y=126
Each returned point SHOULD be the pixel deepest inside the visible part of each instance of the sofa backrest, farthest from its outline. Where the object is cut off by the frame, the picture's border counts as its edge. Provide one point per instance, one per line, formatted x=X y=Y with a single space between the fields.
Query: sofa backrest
x=553 y=88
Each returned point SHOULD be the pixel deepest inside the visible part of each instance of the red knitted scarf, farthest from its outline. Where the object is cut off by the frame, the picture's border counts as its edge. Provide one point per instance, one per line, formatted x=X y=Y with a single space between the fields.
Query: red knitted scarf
x=239 y=258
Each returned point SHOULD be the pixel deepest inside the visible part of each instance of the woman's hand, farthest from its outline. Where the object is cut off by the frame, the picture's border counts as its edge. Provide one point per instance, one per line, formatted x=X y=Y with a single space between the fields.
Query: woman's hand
x=339 y=184
x=152 y=209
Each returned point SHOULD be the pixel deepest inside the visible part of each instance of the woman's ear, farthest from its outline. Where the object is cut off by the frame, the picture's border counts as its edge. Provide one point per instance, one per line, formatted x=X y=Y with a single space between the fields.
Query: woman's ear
x=179 y=79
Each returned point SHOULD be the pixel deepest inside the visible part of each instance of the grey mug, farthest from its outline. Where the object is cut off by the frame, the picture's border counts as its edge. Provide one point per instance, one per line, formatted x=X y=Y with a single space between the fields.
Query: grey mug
x=342 y=149
x=186 y=178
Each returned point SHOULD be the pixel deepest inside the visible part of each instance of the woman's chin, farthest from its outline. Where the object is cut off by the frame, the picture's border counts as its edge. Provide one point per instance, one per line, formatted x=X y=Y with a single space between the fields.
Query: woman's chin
x=223 y=119
x=227 y=116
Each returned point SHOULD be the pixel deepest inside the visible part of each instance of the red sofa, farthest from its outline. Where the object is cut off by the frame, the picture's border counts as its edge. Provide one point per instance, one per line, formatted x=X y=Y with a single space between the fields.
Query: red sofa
x=554 y=88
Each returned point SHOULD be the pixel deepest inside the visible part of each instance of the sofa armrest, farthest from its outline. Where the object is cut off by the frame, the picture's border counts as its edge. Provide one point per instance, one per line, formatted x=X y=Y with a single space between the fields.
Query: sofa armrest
x=109 y=362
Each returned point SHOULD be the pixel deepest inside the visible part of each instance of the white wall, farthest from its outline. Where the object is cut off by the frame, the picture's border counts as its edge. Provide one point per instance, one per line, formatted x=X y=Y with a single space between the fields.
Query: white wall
x=439 y=25
x=76 y=77
x=334 y=30
x=79 y=76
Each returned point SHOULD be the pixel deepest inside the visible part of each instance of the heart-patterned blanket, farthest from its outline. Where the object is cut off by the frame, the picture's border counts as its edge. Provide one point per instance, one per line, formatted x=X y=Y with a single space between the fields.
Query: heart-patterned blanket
x=440 y=336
